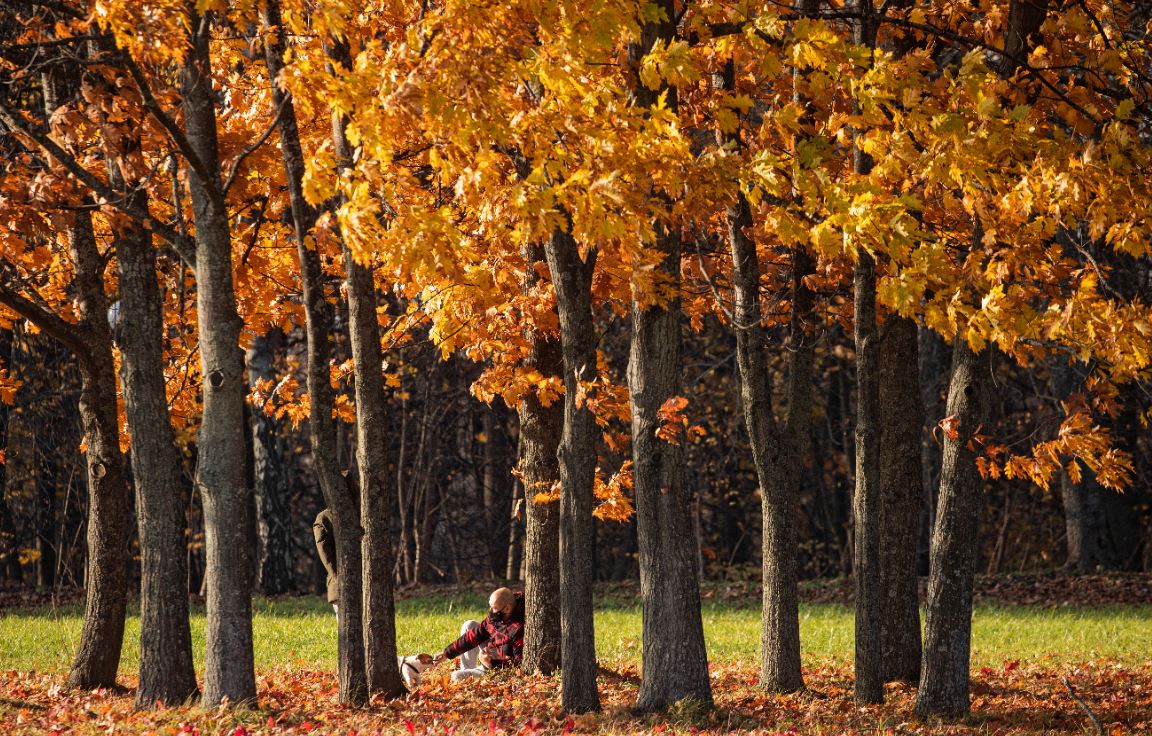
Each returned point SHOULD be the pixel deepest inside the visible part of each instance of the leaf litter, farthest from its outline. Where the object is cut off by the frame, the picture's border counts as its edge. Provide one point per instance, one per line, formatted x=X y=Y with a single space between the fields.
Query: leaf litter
x=1013 y=698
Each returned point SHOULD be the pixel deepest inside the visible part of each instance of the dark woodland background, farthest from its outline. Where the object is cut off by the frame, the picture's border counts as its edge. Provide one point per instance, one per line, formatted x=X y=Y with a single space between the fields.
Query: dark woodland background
x=459 y=510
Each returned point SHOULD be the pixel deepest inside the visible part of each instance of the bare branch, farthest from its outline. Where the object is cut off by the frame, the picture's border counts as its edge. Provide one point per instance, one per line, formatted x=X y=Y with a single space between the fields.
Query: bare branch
x=51 y=324
x=100 y=188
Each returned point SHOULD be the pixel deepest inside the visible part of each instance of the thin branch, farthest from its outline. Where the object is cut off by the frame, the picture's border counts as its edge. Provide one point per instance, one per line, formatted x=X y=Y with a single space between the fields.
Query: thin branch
x=153 y=106
x=231 y=178
x=51 y=324
x=58 y=7
x=1084 y=706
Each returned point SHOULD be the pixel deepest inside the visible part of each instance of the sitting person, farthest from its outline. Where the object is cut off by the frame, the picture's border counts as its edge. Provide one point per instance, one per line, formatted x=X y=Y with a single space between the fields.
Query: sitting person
x=494 y=643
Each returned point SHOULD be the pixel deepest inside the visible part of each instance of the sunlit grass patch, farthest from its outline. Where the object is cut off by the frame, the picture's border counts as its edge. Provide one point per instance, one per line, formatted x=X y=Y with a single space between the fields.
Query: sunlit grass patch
x=301 y=632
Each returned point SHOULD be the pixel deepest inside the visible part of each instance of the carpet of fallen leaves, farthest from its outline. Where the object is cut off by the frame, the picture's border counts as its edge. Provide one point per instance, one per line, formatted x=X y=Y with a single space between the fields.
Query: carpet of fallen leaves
x=1010 y=699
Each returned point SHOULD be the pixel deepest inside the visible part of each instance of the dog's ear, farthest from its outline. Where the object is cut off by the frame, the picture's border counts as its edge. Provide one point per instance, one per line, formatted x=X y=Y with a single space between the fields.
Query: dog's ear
x=425 y=658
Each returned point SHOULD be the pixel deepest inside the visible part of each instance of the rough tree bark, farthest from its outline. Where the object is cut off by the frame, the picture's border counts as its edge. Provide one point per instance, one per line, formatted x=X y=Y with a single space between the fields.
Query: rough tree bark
x=106 y=583
x=90 y=341
x=229 y=673
x=572 y=279
x=540 y=428
x=868 y=661
x=776 y=450
x=675 y=660
x=948 y=629
x=901 y=499
x=166 y=671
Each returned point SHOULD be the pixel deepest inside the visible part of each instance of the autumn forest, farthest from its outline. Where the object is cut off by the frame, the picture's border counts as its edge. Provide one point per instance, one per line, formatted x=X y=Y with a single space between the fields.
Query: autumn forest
x=562 y=293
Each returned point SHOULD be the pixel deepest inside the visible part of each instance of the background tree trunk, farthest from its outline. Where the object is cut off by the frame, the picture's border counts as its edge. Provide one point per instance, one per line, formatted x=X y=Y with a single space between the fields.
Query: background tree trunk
x=270 y=482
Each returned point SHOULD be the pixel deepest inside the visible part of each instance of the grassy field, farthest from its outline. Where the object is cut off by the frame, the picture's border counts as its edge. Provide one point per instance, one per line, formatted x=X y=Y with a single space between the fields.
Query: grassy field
x=301 y=632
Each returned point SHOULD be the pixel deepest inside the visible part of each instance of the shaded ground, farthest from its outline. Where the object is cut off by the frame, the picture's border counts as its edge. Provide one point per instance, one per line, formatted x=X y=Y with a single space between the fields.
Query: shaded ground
x=1025 y=589
x=1010 y=699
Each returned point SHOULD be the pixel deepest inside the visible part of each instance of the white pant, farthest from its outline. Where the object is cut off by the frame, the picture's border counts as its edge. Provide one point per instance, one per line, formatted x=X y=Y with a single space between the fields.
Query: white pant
x=469 y=666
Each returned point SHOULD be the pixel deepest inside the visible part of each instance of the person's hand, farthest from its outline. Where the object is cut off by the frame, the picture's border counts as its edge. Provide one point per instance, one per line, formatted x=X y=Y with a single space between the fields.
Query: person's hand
x=438 y=658
x=485 y=660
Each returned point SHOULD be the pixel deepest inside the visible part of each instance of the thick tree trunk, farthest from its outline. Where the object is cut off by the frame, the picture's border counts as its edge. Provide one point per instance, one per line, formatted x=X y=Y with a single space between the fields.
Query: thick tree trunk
x=229 y=673
x=901 y=498
x=540 y=429
x=166 y=672
x=948 y=629
x=1082 y=522
x=675 y=661
x=572 y=279
x=106 y=582
x=269 y=479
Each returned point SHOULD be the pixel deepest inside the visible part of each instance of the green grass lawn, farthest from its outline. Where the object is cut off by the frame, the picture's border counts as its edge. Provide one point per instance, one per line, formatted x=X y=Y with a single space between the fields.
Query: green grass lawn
x=301 y=632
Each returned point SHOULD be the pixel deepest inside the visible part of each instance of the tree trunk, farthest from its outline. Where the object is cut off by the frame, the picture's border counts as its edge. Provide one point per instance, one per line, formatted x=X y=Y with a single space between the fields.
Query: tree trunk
x=372 y=466
x=339 y=495
x=166 y=672
x=948 y=614
x=270 y=479
x=675 y=661
x=865 y=502
x=948 y=629
x=901 y=497
x=106 y=581
x=540 y=430
x=49 y=479
x=572 y=279
x=497 y=487
x=229 y=673
x=379 y=625
x=935 y=356
x=775 y=459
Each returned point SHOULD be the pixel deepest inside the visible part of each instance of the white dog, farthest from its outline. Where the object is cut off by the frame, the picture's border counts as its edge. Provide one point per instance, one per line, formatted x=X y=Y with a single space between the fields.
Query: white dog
x=412 y=668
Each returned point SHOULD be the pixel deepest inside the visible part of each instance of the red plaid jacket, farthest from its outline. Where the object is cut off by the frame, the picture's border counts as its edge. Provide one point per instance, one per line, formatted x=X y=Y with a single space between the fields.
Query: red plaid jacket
x=502 y=641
